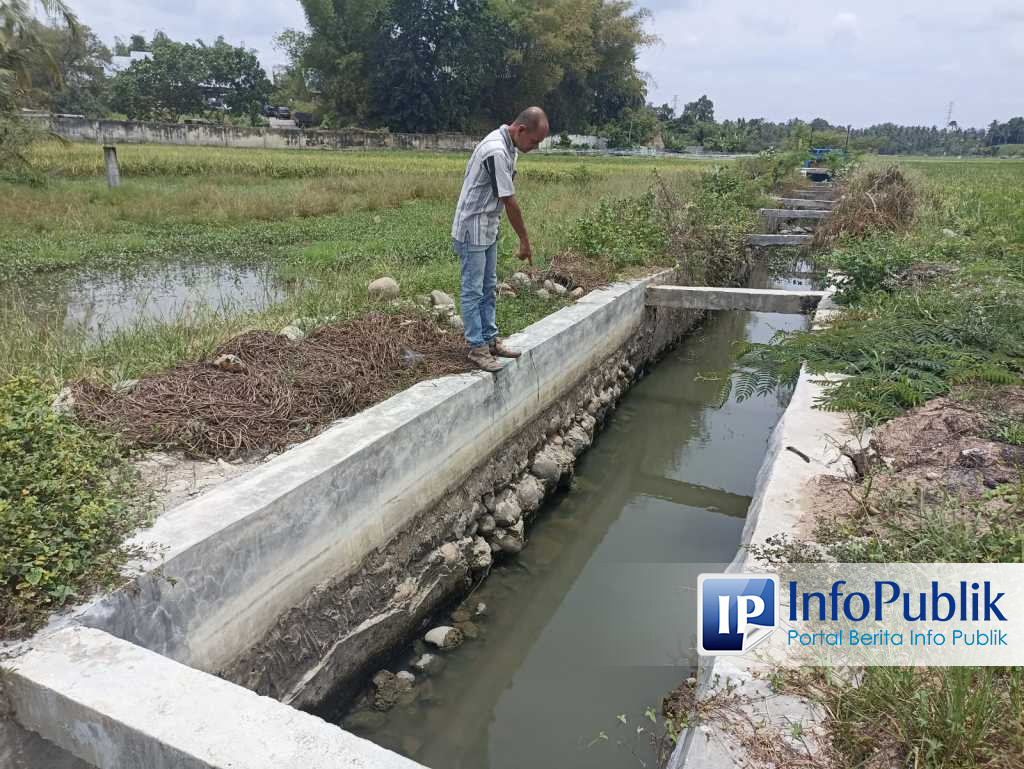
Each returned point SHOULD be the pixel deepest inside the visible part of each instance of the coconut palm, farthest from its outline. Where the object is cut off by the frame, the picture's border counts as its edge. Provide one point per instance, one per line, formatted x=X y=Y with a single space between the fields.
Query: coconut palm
x=19 y=43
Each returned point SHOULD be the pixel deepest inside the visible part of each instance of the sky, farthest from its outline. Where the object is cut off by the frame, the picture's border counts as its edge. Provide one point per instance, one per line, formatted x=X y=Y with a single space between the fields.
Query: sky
x=859 y=63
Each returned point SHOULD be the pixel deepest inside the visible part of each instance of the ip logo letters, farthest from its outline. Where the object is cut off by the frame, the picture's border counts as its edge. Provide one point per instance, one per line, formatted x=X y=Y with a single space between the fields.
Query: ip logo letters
x=735 y=612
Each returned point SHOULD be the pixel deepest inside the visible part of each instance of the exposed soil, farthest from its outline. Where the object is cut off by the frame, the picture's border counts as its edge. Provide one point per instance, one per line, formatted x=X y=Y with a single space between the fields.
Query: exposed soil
x=946 y=447
x=286 y=391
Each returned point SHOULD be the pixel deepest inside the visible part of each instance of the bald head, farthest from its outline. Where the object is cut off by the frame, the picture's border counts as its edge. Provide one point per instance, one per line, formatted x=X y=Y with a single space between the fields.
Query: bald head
x=529 y=129
x=533 y=118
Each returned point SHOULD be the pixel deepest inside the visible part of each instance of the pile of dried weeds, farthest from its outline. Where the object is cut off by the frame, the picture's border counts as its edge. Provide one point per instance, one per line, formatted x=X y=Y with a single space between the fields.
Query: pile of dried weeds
x=877 y=200
x=286 y=391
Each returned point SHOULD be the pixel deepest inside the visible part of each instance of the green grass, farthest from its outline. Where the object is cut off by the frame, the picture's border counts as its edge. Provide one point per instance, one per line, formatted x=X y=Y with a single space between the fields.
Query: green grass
x=903 y=341
x=325 y=223
x=932 y=718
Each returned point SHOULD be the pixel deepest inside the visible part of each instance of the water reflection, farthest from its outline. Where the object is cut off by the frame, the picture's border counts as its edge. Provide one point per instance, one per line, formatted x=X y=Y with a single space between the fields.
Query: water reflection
x=594 y=618
x=99 y=304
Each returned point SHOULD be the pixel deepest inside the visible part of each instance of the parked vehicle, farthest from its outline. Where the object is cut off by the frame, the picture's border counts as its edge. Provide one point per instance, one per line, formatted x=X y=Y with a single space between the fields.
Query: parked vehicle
x=283 y=113
x=303 y=119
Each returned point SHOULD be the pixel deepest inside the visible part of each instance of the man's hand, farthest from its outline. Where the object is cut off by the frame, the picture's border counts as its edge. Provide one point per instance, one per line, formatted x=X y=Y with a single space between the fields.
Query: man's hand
x=515 y=217
x=525 y=252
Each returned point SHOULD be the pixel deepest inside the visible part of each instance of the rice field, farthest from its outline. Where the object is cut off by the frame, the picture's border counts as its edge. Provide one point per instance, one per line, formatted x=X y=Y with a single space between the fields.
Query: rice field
x=320 y=224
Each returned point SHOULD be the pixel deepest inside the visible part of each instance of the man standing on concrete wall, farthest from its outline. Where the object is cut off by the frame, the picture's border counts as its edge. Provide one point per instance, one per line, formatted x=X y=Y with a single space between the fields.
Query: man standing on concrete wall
x=486 y=190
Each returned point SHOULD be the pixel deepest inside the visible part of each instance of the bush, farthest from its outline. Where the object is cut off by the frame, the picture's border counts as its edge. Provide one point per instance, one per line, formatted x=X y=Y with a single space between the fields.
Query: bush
x=867 y=266
x=16 y=136
x=899 y=352
x=627 y=231
x=63 y=513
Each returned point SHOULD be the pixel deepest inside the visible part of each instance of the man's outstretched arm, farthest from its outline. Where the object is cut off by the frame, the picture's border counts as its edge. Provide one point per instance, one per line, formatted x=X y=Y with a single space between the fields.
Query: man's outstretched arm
x=515 y=218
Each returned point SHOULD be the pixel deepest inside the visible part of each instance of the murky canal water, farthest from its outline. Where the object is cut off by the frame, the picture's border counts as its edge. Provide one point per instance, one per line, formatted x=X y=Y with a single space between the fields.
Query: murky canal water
x=99 y=304
x=593 y=618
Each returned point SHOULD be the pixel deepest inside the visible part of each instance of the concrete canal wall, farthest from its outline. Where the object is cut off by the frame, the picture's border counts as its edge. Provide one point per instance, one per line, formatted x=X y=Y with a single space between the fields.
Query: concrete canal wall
x=290 y=580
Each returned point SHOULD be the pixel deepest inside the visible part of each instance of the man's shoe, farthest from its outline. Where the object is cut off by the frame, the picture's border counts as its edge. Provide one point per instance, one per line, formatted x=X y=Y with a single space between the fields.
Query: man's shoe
x=482 y=357
x=498 y=348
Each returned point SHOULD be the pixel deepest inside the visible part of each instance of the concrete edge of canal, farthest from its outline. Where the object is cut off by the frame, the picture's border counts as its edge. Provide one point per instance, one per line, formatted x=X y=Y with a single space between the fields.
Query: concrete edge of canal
x=296 y=575
x=782 y=504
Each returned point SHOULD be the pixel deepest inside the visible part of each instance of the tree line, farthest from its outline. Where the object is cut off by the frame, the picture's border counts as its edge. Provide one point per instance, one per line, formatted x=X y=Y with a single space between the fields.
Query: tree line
x=433 y=65
x=422 y=66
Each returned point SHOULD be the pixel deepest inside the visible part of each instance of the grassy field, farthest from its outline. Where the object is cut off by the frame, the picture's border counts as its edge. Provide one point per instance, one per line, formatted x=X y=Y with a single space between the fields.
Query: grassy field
x=322 y=224
x=327 y=223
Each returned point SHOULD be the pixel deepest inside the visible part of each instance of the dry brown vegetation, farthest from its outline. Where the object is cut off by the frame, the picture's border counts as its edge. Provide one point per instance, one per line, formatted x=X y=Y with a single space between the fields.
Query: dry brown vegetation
x=876 y=201
x=287 y=392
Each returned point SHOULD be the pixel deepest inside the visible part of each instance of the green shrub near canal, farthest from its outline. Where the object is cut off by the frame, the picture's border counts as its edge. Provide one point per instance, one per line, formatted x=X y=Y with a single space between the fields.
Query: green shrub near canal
x=939 y=305
x=66 y=504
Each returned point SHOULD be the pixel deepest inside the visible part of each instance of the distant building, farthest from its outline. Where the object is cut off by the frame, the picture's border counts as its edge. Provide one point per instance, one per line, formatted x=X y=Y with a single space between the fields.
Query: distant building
x=121 y=63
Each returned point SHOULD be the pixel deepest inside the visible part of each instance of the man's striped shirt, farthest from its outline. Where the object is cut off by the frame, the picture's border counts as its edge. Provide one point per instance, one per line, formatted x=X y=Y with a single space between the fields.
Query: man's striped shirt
x=489 y=177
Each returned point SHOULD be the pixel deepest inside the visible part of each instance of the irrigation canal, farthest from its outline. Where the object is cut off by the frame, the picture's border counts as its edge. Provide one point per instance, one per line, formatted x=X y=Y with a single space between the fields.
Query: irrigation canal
x=592 y=619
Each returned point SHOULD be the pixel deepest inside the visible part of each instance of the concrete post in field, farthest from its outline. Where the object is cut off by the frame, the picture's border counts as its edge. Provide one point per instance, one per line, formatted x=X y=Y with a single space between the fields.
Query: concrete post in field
x=113 y=172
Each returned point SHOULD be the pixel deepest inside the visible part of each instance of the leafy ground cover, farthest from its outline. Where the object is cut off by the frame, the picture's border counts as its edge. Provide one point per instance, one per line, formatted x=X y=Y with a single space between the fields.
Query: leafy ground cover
x=937 y=305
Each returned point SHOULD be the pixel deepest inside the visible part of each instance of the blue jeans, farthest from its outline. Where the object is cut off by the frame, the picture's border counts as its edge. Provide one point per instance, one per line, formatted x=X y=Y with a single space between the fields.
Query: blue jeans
x=479 y=280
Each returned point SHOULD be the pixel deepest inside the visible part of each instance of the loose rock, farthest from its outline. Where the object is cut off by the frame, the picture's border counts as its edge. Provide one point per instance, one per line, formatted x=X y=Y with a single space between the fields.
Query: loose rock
x=455 y=321
x=441 y=299
x=383 y=288
x=389 y=689
x=576 y=293
x=577 y=440
x=63 y=402
x=529 y=493
x=508 y=511
x=444 y=637
x=543 y=293
x=469 y=629
x=546 y=468
x=487 y=524
x=520 y=279
x=429 y=664
x=230 y=363
x=294 y=333
x=507 y=542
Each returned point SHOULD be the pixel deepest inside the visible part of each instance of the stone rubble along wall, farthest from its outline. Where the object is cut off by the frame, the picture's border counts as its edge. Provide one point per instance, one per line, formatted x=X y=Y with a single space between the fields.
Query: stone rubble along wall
x=327 y=645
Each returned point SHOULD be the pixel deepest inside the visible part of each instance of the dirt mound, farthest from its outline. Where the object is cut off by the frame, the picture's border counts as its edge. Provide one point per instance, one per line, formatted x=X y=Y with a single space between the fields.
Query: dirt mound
x=877 y=200
x=949 y=441
x=286 y=391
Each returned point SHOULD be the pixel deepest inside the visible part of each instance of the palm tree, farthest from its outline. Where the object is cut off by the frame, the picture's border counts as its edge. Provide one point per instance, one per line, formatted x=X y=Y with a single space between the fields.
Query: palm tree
x=19 y=43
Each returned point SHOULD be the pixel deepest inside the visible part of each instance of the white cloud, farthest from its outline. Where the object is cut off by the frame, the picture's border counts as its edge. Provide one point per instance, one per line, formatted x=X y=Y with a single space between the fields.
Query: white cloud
x=874 y=62
x=845 y=29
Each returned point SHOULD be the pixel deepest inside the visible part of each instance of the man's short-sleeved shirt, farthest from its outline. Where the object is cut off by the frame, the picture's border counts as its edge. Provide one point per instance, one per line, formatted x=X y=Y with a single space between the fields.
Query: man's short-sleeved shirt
x=489 y=178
